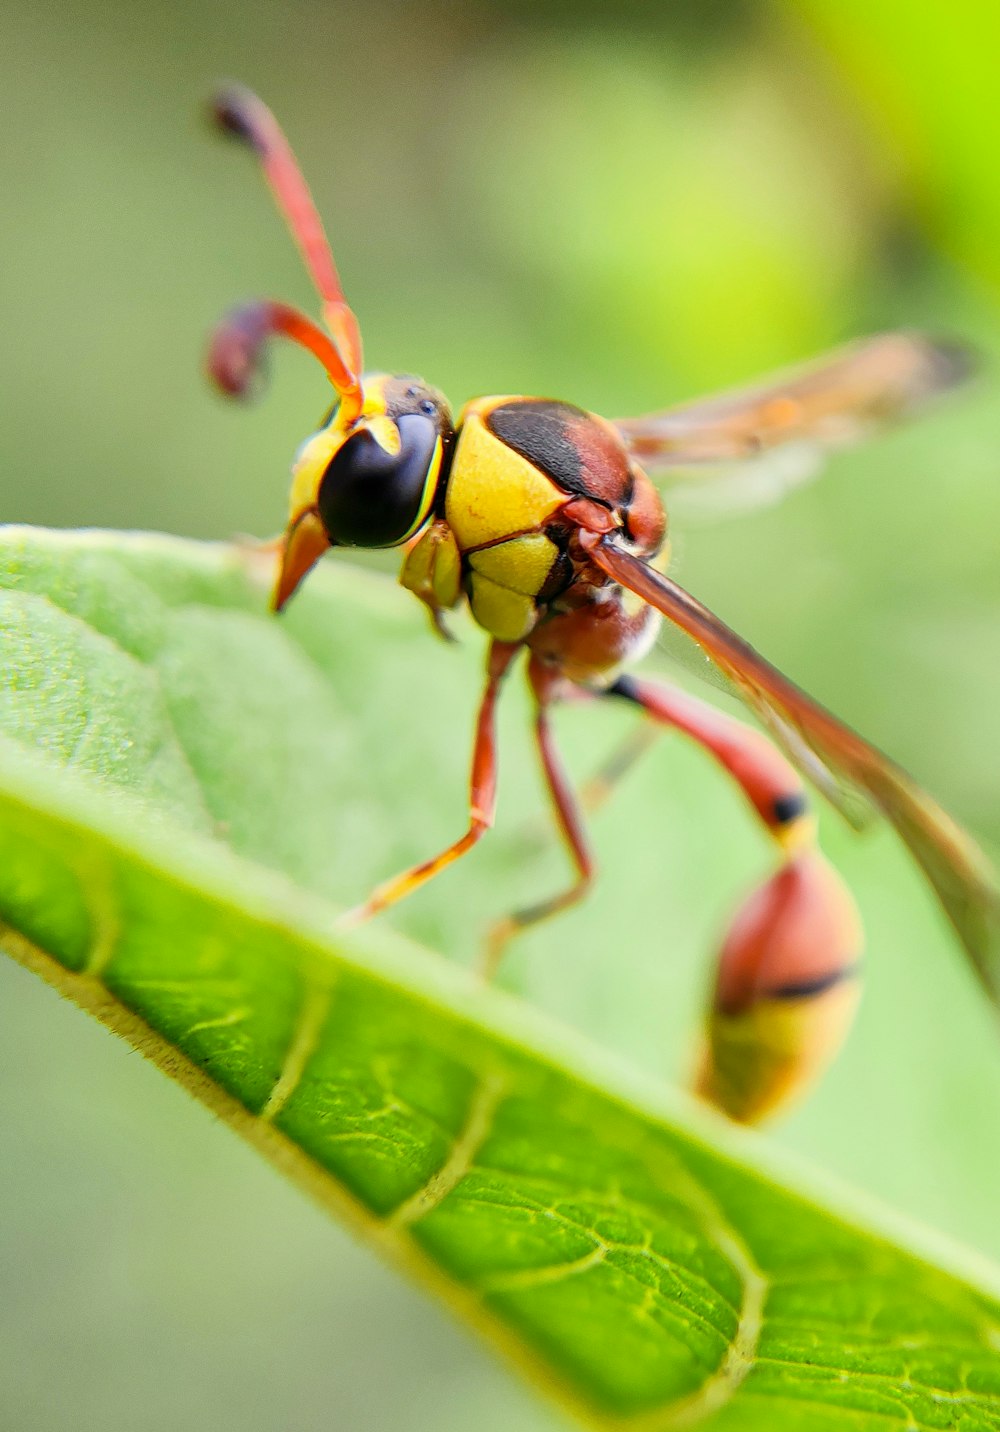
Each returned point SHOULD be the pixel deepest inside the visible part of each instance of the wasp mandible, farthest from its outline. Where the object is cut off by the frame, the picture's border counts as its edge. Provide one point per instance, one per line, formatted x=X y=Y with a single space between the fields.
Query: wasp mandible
x=544 y=519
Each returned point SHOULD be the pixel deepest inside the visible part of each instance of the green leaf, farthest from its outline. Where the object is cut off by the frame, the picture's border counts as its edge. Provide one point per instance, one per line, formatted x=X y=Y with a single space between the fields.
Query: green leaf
x=186 y=788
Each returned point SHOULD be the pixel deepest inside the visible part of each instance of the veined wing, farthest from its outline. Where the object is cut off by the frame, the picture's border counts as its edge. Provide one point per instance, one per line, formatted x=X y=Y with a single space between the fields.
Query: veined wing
x=832 y=755
x=682 y=650
x=748 y=447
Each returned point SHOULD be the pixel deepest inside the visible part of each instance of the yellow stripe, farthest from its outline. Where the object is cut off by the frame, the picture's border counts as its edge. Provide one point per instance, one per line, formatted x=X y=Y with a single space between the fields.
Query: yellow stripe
x=430 y=489
x=493 y=492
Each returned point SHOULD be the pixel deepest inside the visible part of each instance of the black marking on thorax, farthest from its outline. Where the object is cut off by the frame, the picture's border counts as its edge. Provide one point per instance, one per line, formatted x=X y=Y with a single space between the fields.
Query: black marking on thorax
x=540 y=430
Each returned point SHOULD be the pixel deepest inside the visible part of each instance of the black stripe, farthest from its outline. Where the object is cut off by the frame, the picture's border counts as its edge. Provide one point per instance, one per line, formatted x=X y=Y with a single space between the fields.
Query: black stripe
x=790 y=807
x=449 y=441
x=625 y=687
x=806 y=989
x=541 y=430
x=627 y=500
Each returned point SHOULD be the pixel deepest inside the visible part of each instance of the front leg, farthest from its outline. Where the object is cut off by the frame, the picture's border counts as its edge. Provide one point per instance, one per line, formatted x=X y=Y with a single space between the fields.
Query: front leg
x=432 y=571
x=482 y=798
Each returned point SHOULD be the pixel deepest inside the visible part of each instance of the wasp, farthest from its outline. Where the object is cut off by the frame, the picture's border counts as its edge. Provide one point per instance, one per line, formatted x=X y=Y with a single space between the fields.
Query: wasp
x=544 y=519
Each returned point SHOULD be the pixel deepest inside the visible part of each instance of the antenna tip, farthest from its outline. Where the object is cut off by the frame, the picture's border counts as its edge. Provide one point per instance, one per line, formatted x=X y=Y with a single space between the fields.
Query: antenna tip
x=237 y=111
x=235 y=358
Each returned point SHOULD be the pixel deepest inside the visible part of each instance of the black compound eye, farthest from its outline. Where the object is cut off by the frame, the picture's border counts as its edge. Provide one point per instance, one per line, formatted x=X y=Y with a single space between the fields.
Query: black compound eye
x=371 y=498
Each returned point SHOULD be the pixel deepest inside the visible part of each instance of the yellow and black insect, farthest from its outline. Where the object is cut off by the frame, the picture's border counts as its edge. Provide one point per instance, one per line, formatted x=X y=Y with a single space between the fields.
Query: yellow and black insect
x=540 y=517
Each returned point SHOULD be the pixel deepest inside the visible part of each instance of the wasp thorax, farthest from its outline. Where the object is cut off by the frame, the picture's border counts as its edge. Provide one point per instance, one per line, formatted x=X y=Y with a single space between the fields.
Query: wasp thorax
x=379 y=486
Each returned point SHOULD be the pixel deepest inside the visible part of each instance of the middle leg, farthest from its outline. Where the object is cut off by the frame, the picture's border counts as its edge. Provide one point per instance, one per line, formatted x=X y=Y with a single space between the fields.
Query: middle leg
x=545 y=685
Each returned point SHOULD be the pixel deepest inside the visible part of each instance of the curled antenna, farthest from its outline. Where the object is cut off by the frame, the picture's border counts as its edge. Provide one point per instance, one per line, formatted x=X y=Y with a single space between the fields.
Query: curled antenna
x=239 y=341
x=236 y=351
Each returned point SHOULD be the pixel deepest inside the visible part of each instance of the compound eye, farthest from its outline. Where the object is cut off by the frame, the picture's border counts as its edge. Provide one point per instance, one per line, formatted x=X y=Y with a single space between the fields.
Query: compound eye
x=371 y=498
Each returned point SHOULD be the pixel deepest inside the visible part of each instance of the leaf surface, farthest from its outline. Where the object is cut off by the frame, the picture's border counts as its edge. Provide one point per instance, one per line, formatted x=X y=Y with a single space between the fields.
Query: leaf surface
x=185 y=795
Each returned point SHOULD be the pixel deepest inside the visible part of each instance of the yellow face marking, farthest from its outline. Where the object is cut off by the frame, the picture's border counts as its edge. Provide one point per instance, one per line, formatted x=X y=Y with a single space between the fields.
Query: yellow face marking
x=317 y=452
x=315 y=456
x=374 y=403
x=430 y=489
x=493 y=491
x=385 y=433
x=520 y=565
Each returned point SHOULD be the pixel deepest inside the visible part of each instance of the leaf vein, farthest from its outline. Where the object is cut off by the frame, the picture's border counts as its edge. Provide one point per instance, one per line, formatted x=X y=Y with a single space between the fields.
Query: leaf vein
x=305 y=1037
x=482 y=1107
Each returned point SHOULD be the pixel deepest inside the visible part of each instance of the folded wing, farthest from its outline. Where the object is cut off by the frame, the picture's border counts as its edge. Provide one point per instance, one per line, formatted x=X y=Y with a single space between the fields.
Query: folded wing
x=748 y=447
x=839 y=761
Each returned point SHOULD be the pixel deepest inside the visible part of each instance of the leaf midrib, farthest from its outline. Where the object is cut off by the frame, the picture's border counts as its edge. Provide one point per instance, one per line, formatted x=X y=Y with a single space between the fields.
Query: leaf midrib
x=391 y=1232
x=119 y=823
x=260 y=892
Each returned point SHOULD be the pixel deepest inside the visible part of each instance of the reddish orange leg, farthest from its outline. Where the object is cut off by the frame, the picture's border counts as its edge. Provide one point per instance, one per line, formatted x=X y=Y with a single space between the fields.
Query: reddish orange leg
x=601 y=786
x=545 y=685
x=785 y=988
x=482 y=798
x=768 y=781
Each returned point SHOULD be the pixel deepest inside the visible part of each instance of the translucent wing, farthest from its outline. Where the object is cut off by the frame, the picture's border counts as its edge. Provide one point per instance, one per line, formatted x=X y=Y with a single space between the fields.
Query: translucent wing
x=837 y=758
x=747 y=448
x=683 y=650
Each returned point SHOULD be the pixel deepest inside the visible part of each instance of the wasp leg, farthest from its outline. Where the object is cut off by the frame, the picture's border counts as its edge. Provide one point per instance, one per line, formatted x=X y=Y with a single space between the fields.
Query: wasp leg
x=545 y=686
x=482 y=798
x=432 y=571
x=601 y=786
x=785 y=987
x=769 y=782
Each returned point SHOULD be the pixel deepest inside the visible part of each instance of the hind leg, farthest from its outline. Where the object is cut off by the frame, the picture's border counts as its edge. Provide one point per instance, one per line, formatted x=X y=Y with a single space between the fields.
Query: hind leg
x=786 y=986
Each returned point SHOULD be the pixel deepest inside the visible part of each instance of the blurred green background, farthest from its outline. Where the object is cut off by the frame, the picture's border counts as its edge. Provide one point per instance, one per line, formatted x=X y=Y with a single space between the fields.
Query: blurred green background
x=619 y=205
